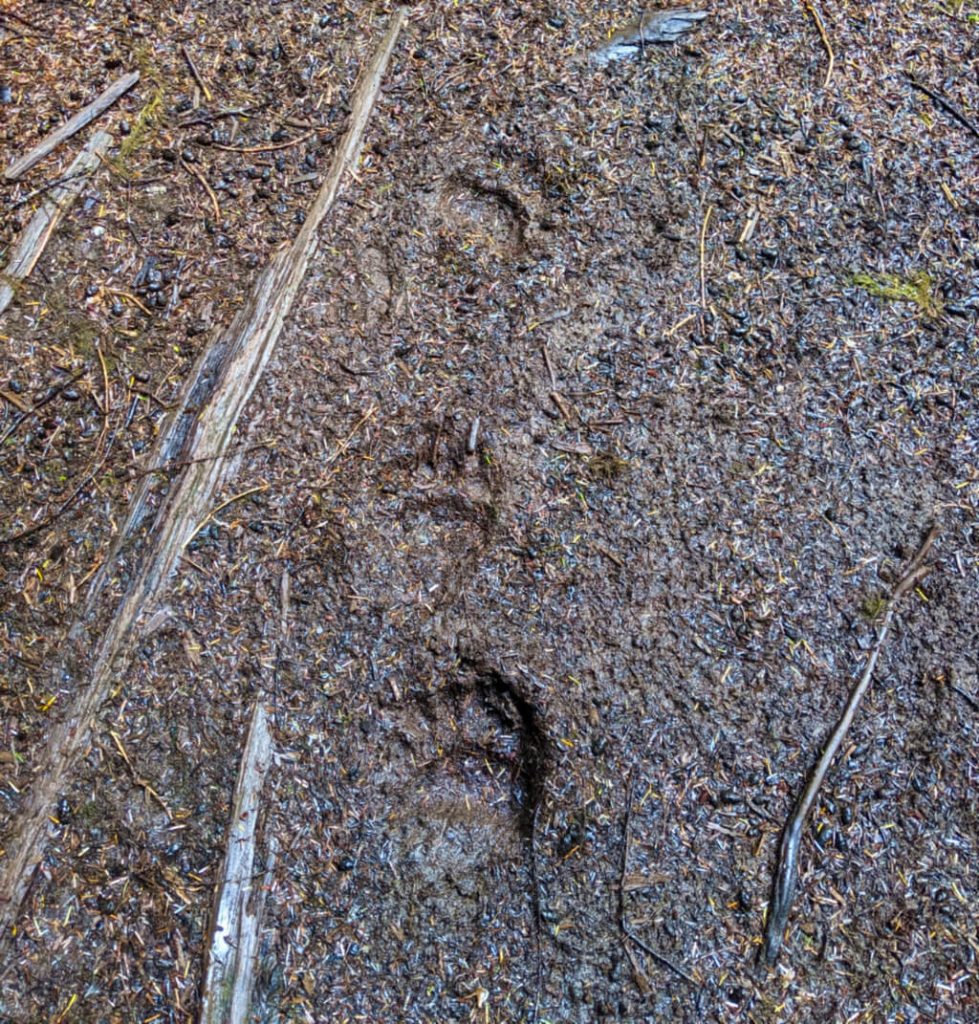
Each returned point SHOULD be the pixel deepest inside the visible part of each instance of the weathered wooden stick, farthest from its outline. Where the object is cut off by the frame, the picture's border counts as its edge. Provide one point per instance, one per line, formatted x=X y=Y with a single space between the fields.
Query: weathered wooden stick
x=71 y=126
x=787 y=873
x=29 y=246
x=240 y=898
x=226 y=375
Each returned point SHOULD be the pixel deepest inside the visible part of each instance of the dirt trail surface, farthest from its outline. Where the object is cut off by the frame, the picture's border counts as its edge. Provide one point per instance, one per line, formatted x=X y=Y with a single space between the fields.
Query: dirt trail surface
x=613 y=406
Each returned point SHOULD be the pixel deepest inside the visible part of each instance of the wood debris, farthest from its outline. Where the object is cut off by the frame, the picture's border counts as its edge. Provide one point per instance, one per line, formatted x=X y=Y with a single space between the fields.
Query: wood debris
x=84 y=116
x=30 y=245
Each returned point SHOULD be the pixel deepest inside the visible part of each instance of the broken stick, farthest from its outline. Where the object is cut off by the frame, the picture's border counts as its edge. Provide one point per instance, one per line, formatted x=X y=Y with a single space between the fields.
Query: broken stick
x=240 y=897
x=29 y=246
x=227 y=374
x=70 y=127
x=787 y=873
x=627 y=931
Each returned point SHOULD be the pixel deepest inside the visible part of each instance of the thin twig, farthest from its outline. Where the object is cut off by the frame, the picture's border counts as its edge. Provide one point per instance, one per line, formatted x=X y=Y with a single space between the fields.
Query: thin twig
x=74 y=124
x=207 y=117
x=197 y=75
x=102 y=449
x=285 y=589
x=32 y=240
x=41 y=190
x=261 y=488
x=176 y=464
x=535 y=882
x=662 y=960
x=41 y=403
x=967 y=697
x=271 y=147
x=550 y=366
x=207 y=188
x=939 y=100
x=129 y=297
x=786 y=875
x=825 y=38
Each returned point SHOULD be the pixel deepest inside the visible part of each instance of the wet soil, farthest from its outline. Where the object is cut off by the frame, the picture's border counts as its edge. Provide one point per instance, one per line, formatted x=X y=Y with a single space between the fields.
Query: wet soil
x=597 y=435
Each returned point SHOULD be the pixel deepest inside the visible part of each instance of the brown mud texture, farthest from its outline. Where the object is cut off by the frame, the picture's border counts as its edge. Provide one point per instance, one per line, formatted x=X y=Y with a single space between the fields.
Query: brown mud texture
x=613 y=406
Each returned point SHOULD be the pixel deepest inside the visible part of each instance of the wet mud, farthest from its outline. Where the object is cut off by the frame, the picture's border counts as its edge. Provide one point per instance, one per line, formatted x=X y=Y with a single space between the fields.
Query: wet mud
x=612 y=408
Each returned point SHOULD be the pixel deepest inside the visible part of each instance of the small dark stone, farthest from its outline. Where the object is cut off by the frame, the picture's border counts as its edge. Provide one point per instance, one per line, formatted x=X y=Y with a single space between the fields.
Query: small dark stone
x=824 y=837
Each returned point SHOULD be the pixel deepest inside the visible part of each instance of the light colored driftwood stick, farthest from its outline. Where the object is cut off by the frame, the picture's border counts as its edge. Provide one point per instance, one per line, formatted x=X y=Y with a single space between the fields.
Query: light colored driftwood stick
x=219 y=388
x=29 y=246
x=73 y=125
x=787 y=872
x=240 y=898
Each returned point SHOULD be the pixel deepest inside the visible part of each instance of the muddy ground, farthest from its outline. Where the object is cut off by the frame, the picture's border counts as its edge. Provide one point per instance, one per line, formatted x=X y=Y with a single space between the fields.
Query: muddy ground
x=710 y=431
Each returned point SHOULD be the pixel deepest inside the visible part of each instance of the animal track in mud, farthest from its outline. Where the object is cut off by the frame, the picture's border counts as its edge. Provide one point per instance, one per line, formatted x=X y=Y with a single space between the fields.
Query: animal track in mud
x=485 y=214
x=461 y=789
x=374 y=283
x=429 y=551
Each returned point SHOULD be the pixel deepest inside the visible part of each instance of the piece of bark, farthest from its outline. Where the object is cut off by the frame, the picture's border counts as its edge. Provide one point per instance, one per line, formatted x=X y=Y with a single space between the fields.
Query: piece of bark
x=236 y=921
x=29 y=246
x=75 y=124
x=653 y=27
x=213 y=401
